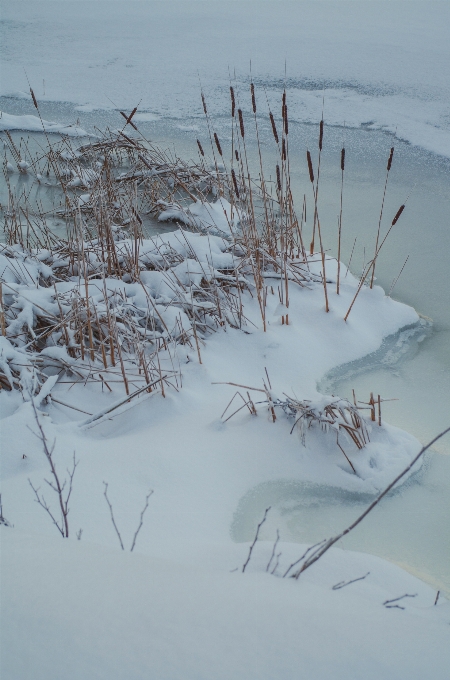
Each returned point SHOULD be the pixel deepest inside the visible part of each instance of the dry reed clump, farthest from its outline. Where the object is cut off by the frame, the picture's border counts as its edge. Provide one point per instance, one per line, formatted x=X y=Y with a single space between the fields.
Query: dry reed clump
x=96 y=304
x=327 y=414
x=339 y=416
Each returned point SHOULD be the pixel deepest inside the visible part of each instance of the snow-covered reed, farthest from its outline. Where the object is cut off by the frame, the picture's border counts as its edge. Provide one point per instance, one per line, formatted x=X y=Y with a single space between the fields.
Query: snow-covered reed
x=109 y=304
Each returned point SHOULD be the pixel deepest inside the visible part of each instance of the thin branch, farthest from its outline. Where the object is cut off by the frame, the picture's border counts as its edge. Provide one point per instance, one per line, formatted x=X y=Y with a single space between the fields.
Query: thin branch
x=302 y=557
x=57 y=486
x=141 y=520
x=342 y=584
x=273 y=551
x=397 y=599
x=105 y=493
x=255 y=539
x=43 y=503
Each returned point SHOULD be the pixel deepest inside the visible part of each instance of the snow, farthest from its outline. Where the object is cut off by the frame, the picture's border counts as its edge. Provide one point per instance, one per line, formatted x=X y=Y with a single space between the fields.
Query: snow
x=34 y=124
x=220 y=216
x=88 y=611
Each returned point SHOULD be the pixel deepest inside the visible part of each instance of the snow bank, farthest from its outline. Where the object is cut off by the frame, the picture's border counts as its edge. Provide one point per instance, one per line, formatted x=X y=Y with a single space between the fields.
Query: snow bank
x=219 y=216
x=86 y=611
x=175 y=611
x=34 y=124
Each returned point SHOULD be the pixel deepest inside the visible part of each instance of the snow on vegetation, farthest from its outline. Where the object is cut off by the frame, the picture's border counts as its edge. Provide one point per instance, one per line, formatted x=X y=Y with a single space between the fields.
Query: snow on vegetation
x=182 y=370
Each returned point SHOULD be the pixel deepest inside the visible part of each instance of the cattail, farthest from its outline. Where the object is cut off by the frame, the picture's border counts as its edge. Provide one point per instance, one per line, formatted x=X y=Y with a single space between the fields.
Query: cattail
x=236 y=155
x=321 y=135
x=33 y=98
x=278 y=178
x=132 y=114
x=310 y=167
x=391 y=155
x=219 y=148
x=342 y=160
x=204 y=105
x=233 y=101
x=284 y=149
x=200 y=148
x=398 y=213
x=241 y=123
x=274 y=127
x=285 y=120
x=252 y=88
x=233 y=176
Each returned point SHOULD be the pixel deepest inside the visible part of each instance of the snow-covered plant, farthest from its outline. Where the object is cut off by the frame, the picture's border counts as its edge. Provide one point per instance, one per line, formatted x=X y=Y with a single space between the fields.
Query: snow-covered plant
x=337 y=415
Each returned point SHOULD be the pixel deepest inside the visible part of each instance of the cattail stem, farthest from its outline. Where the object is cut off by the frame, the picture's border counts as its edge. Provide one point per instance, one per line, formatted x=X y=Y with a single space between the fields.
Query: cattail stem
x=340 y=222
x=389 y=165
x=370 y=265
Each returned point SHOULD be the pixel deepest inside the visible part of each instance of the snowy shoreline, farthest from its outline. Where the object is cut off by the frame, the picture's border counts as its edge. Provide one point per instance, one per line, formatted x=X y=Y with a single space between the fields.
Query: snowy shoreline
x=199 y=468
x=87 y=325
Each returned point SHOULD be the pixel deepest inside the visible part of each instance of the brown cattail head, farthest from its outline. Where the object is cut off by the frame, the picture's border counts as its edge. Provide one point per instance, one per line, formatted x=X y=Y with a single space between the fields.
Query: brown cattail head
x=285 y=120
x=233 y=102
x=200 y=148
x=397 y=214
x=204 y=104
x=283 y=153
x=236 y=154
x=216 y=139
x=321 y=135
x=274 y=127
x=310 y=167
x=132 y=114
x=343 y=159
x=241 y=123
x=391 y=156
x=278 y=178
x=233 y=176
x=252 y=88
x=33 y=98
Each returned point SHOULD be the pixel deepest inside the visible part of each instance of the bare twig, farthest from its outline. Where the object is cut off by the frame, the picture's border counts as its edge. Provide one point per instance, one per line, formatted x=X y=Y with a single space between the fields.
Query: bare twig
x=244 y=566
x=273 y=551
x=342 y=584
x=141 y=520
x=105 y=493
x=3 y=520
x=57 y=486
x=388 y=603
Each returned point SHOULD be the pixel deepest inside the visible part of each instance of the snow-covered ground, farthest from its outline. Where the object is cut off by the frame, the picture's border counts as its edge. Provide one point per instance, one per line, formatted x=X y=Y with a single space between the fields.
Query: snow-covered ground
x=81 y=610
x=209 y=622
x=179 y=606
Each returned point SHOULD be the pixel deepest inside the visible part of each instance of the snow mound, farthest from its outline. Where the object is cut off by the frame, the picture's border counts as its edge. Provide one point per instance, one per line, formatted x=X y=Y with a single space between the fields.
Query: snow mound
x=219 y=216
x=34 y=124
